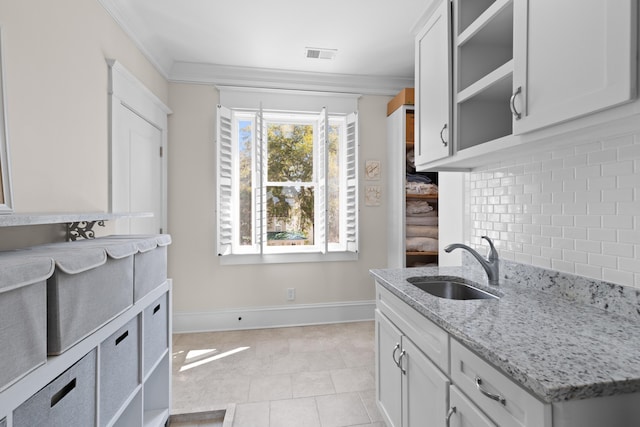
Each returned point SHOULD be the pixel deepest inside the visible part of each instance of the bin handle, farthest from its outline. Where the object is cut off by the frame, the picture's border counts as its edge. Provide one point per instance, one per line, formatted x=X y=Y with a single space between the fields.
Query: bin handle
x=63 y=392
x=122 y=337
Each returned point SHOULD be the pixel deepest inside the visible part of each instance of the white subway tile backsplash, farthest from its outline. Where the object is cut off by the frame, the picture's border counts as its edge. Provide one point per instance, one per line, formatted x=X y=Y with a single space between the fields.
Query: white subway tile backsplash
x=629 y=152
x=617 y=276
x=575 y=233
x=602 y=235
x=618 y=221
x=620 y=195
x=620 y=168
x=567 y=267
x=608 y=261
x=574 y=209
x=575 y=256
x=601 y=208
x=618 y=249
x=603 y=156
x=589 y=271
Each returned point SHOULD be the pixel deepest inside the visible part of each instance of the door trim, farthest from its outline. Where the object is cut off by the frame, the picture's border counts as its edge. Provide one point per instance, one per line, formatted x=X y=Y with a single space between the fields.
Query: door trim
x=127 y=91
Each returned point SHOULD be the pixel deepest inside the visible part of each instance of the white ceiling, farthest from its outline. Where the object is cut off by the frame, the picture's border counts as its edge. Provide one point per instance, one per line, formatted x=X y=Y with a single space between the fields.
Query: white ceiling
x=221 y=41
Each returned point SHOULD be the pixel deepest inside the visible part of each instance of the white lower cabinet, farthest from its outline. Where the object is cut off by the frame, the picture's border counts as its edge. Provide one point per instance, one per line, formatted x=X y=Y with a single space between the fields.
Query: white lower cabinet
x=439 y=382
x=426 y=378
x=411 y=390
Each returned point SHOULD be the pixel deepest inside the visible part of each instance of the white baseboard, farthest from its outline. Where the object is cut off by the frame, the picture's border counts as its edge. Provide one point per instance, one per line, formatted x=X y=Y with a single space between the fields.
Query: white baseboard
x=273 y=317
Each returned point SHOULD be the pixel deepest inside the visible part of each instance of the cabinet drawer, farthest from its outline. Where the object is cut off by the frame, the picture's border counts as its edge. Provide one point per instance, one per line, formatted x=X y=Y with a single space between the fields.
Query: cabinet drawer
x=518 y=407
x=430 y=338
x=466 y=413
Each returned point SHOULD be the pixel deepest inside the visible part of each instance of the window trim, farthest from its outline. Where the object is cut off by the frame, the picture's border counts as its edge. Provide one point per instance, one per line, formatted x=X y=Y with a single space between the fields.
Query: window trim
x=348 y=250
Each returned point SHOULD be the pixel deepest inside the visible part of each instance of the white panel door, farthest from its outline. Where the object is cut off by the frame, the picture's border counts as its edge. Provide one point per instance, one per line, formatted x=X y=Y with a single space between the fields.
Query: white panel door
x=572 y=57
x=433 y=88
x=425 y=389
x=137 y=172
x=388 y=374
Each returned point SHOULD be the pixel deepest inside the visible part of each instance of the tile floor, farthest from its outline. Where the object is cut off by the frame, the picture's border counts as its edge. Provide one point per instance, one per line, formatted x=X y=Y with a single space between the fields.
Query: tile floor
x=309 y=376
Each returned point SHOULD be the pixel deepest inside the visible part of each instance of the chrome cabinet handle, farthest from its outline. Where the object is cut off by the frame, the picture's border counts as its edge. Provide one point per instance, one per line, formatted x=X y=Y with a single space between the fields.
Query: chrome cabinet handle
x=404 y=353
x=441 y=132
x=452 y=411
x=512 y=103
x=492 y=396
x=393 y=355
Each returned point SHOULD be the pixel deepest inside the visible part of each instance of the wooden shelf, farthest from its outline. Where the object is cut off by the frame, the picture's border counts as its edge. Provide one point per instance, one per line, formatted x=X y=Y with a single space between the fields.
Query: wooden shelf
x=430 y=253
x=422 y=196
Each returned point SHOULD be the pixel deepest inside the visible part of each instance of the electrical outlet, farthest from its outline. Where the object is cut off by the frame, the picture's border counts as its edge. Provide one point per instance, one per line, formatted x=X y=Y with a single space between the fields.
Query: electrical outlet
x=291 y=294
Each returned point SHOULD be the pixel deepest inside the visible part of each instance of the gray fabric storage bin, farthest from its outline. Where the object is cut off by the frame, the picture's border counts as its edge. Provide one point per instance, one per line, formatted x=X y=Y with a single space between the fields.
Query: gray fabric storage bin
x=155 y=339
x=23 y=315
x=119 y=375
x=89 y=287
x=150 y=262
x=67 y=401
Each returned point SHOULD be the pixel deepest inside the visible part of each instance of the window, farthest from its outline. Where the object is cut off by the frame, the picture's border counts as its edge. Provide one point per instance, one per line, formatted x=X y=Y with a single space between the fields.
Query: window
x=287 y=185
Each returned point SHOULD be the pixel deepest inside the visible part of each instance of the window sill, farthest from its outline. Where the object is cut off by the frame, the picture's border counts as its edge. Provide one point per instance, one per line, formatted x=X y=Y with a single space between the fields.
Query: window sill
x=287 y=258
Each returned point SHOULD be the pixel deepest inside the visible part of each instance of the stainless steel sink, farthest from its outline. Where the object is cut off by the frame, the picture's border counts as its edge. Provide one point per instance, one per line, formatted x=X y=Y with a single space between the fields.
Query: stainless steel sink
x=449 y=288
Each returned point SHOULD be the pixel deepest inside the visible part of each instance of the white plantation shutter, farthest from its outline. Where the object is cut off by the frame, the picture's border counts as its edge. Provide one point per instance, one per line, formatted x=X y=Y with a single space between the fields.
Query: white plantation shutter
x=320 y=192
x=224 y=163
x=261 y=175
x=351 y=159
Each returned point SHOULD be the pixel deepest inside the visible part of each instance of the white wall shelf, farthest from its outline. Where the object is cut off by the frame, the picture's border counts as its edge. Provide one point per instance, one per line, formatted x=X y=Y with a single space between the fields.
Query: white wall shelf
x=21 y=219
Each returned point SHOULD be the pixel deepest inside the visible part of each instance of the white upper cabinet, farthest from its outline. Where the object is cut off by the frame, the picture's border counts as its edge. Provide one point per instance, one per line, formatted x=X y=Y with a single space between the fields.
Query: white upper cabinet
x=571 y=58
x=525 y=71
x=433 y=88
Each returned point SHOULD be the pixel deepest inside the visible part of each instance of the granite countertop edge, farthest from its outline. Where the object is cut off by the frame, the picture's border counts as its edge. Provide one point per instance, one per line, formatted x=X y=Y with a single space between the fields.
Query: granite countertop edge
x=536 y=338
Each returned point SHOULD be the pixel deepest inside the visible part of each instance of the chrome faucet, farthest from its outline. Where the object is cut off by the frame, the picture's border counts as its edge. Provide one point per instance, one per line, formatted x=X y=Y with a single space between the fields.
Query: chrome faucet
x=490 y=264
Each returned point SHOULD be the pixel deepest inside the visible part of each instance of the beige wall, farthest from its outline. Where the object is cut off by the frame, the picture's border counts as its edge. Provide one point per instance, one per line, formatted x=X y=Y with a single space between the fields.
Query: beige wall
x=56 y=81
x=201 y=284
x=57 y=105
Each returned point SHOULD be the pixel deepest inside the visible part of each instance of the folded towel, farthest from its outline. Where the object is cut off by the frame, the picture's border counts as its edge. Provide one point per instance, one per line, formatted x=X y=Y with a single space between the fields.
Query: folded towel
x=421 y=244
x=421 y=220
x=421 y=188
x=418 y=206
x=422 y=231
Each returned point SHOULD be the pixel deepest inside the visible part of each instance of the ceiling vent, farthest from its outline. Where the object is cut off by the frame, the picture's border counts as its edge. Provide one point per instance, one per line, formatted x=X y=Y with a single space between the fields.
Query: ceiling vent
x=317 y=53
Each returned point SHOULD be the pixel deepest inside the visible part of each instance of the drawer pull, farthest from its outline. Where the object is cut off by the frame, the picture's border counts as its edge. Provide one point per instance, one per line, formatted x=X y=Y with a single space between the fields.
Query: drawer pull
x=512 y=103
x=156 y=309
x=441 y=138
x=452 y=411
x=492 y=396
x=63 y=392
x=403 y=354
x=393 y=355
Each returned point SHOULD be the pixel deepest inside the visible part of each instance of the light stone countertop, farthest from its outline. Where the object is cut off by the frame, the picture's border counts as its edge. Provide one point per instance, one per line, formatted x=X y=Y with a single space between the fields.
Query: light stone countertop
x=557 y=348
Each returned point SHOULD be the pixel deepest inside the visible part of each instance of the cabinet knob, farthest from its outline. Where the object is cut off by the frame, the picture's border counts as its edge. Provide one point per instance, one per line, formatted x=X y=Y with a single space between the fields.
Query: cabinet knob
x=512 y=103
x=441 y=137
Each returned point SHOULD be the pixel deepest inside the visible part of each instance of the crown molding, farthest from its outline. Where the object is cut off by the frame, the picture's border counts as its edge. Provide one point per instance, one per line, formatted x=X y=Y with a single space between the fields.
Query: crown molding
x=189 y=72
x=118 y=16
